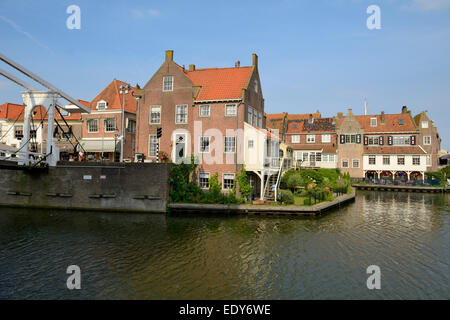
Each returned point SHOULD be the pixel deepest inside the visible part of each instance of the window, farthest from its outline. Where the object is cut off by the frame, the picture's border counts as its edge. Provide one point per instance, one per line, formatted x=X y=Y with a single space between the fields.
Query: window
x=424 y=124
x=401 y=140
x=18 y=132
x=204 y=144
x=305 y=156
x=230 y=110
x=131 y=126
x=355 y=163
x=295 y=138
x=101 y=105
x=318 y=156
x=386 y=160
x=400 y=122
x=373 y=122
x=326 y=138
x=204 y=110
x=255 y=117
x=347 y=138
x=416 y=160
x=250 y=144
x=260 y=119
x=428 y=160
x=181 y=114
x=344 y=163
x=401 y=160
x=230 y=144
x=155 y=114
x=310 y=138
x=153 y=146
x=372 y=160
x=325 y=158
x=92 y=125
x=373 y=140
x=168 y=83
x=332 y=158
x=353 y=138
x=33 y=133
x=250 y=115
x=110 y=124
x=68 y=134
x=203 y=180
x=427 y=140
x=228 y=181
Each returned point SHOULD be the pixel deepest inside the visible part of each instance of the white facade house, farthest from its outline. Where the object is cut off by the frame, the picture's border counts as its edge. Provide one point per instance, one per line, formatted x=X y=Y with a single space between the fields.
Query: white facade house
x=315 y=159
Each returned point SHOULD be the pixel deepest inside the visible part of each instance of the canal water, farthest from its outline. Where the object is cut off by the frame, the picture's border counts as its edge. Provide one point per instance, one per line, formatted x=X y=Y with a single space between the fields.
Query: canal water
x=138 y=256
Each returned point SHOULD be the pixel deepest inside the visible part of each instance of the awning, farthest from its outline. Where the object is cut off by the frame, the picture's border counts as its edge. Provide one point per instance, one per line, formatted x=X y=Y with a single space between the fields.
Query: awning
x=96 y=145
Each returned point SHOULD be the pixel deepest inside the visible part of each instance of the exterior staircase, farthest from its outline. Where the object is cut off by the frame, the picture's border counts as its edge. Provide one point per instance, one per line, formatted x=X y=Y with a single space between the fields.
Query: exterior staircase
x=273 y=183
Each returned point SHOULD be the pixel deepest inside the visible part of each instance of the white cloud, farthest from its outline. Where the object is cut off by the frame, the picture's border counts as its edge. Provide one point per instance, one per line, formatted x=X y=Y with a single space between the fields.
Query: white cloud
x=429 y=5
x=139 y=14
x=19 y=29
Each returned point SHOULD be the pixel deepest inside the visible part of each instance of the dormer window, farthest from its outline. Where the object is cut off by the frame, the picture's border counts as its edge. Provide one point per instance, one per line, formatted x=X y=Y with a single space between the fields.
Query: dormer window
x=400 y=122
x=424 y=124
x=373 y=122
x=102 y=105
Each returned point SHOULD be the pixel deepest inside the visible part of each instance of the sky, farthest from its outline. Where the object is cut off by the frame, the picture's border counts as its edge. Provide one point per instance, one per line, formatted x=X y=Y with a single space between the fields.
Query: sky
x=313 y=55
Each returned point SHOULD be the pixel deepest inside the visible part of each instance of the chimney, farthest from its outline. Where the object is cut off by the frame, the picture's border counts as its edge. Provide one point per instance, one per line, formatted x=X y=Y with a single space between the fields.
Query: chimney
x=382 y=117
x=340 y=115
x=404 y=109
x=192 y=67
x=255 y=59
x=311 y=119
x=169 y=55
x=237 y=64
x=350 y=112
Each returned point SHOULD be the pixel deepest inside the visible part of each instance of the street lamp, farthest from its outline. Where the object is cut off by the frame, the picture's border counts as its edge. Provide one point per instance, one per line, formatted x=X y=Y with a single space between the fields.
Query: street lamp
x=138 y=98
x=124 y=89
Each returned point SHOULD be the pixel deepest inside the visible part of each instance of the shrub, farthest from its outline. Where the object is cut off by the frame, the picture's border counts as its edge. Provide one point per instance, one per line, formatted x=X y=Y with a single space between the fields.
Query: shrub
x=286 y=197
x=244 y=187
x=294 y=180
x=307 y=202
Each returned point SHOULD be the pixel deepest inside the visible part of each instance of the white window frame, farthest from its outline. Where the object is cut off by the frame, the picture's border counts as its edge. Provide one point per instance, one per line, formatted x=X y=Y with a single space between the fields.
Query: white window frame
x=400 y=159
x=388 y=158
x=200 y=144
x=176 y=113
x=200 y=111
x=249 y=115
x=326 y=138
x=223 y=180
x=425 y=142
x=88 y=127
x=331 y=157
x=102 y=102
x=424 y=124
x=232 y=114
x=353 y=163
x=164 y=83
x=373 y=122
x=154 y=110
x=428 y=160
x=345 y=160
x=260 y=119
x=415 y=157
x=200 y=174
x=233 y=145
x=310 y=138
x=105 y=126
x=297 y=138
x=251 y=144
x=150 y=154
x=374 y=158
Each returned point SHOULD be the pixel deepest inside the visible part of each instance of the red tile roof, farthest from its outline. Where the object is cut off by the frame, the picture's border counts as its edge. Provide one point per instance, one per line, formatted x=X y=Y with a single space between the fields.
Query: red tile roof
x=391 y=123
x=326 y=148
x=14 y=112
x=318 y=125
x=394 y=150
x=220 y=83
x=302 y=116
x=111 y=95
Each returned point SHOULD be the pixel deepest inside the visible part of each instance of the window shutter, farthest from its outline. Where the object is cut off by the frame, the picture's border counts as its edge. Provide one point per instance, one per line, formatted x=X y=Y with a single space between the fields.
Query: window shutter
x=366 y=140
x=413 y=140
x=358 y=138
x=390 y=140
x=381 y=140
x=342 y=139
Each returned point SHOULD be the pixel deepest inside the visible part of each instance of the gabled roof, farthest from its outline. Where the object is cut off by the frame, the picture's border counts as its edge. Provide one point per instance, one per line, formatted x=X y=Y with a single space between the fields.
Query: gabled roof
x=219 y=83
x=302 y=116
x=391 y=123
x=111 y=95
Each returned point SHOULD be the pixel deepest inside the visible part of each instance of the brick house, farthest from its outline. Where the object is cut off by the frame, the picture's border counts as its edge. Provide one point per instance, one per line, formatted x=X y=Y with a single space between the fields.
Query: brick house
x=208 y=113
x=428 y=138
x=102 y=128
x=380 y=146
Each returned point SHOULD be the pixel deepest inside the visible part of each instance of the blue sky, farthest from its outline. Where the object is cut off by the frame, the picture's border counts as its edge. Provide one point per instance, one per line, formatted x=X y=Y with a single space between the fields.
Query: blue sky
x=313 y=55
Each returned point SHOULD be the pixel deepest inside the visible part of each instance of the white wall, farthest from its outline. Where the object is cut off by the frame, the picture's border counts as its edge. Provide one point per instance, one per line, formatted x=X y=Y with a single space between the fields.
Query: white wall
x=393 y=166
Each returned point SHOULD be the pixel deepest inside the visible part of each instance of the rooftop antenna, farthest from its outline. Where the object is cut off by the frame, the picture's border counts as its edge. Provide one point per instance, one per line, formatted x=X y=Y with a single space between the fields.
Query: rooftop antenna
x=366 y=108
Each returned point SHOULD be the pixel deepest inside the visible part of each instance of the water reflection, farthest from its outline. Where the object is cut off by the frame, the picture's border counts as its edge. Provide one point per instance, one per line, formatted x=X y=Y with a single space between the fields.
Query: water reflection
x=129 y=256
